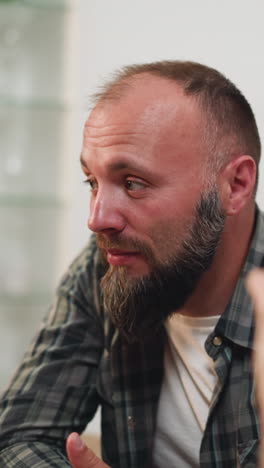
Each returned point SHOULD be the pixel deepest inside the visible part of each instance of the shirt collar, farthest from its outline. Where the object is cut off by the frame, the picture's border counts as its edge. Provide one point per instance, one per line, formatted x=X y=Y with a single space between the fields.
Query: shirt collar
x=237 y=322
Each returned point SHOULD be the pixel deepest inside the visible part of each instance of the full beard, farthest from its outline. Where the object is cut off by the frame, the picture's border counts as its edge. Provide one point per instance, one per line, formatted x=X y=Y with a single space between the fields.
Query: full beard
x=139 y=306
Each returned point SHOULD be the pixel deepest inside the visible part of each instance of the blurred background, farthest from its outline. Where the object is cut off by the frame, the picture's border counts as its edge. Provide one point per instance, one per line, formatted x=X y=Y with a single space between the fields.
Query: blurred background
x=53 y=55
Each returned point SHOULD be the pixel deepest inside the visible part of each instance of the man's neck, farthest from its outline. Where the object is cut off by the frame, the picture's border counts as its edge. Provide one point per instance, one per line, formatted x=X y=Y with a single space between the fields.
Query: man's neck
x=217 y=285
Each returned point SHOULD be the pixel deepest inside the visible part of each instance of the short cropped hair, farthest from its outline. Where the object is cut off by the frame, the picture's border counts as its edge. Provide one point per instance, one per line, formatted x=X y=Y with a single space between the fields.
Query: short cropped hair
x=230 y=127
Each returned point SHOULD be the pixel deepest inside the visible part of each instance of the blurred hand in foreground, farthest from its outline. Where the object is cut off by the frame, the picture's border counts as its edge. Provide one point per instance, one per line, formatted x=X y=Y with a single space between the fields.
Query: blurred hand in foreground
x=255 y=287
x=80 y=455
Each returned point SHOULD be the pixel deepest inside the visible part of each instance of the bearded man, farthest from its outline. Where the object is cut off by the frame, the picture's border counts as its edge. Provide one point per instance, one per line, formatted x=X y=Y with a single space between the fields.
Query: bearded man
x=152 y=321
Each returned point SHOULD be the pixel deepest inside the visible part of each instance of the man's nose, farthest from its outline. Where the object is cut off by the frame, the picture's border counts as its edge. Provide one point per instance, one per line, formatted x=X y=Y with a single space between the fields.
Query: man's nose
x=105 y=214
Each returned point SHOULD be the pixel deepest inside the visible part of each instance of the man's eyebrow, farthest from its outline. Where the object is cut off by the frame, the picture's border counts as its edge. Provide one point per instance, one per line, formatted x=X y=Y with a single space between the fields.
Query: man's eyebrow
x=120 y=165
x=82 y=161
x=130 y=165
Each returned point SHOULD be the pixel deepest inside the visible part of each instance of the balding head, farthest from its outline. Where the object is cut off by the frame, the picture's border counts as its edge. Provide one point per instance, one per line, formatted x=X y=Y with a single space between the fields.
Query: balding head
x=228 y=125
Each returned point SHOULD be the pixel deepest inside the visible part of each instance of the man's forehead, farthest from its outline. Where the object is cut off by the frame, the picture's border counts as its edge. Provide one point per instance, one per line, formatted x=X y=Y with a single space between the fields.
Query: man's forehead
x=148 y=99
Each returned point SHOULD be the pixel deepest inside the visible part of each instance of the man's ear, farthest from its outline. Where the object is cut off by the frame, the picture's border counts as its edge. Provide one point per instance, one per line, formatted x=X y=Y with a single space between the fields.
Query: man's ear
x=237 y=184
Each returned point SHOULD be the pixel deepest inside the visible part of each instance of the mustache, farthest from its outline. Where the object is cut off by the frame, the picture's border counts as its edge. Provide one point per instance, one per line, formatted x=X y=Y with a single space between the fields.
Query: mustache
x=119 y=241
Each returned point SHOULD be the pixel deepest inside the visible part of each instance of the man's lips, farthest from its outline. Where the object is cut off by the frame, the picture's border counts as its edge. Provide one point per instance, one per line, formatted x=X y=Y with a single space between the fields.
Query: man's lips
x=120 y=257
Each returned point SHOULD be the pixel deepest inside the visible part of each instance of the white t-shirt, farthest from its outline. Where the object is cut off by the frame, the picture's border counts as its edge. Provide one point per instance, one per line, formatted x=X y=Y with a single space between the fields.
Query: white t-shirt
x=188 y=384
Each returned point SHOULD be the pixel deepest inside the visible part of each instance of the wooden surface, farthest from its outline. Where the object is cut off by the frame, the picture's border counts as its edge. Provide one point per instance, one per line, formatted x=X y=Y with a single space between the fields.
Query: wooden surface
x=92 y=441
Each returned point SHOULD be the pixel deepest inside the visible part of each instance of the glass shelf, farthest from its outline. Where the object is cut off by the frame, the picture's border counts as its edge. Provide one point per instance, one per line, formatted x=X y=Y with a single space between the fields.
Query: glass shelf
x=35 y=118
x=14 y=102
x=37 y=298
x=29 y=238
x=31 y=151
x=30 y=201
x=33 y=51
x=50 y=4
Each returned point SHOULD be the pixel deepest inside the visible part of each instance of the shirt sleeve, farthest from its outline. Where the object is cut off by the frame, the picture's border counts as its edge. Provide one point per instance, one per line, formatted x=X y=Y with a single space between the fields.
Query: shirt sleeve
x=53 y=392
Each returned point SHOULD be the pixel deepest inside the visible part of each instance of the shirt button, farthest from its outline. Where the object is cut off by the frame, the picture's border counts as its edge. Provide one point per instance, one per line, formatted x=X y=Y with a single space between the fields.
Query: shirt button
x=131 y=421
x=217 y=340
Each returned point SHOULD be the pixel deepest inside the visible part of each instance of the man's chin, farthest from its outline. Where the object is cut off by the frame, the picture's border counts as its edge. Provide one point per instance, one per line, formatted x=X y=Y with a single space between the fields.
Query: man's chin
x=130 y=273
x=138 y=271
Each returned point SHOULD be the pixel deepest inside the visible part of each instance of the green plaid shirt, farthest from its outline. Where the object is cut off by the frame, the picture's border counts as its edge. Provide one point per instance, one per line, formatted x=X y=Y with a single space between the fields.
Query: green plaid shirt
x=77 y=361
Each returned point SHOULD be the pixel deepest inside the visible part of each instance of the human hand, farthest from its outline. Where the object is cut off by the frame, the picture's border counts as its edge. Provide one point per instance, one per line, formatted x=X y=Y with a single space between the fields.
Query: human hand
x=255 y=287
x=80 y=455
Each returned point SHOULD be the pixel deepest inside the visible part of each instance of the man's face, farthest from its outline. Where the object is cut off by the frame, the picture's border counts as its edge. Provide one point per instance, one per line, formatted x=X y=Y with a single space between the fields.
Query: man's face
x=144 y=159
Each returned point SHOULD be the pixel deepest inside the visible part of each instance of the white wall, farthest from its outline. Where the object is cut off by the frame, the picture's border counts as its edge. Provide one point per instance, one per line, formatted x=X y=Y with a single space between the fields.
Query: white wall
x=227 y=35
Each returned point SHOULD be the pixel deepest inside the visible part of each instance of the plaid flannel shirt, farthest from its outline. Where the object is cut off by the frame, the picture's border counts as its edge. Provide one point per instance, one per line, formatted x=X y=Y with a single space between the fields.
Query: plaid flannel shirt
x=78 y=361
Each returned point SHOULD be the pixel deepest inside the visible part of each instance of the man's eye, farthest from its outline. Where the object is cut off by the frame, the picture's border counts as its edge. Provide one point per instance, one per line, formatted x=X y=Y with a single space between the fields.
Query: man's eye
x=134 y=185
x=92 y=183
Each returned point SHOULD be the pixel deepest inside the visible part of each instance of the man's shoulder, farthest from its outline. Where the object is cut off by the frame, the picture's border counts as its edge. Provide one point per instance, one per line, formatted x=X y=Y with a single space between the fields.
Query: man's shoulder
x=85 y=269
x=87 y=257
